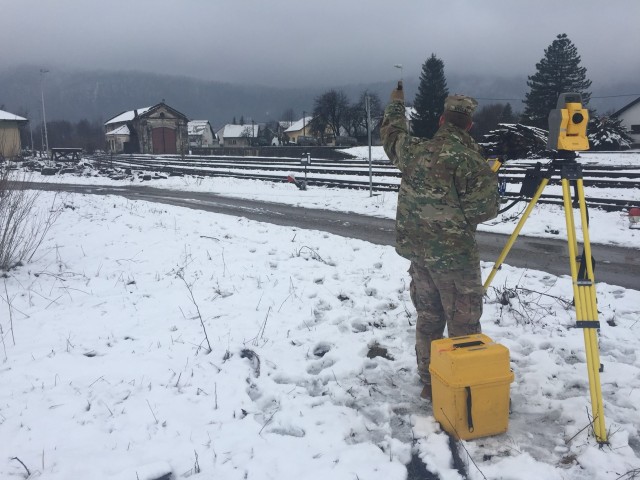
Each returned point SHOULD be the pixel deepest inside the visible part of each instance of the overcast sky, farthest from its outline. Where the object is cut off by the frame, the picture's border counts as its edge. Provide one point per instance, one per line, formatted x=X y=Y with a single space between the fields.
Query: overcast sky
x=318 y=42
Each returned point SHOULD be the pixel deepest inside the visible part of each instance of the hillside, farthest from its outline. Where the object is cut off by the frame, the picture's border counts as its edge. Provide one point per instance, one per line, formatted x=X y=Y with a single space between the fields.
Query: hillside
x=99 y=95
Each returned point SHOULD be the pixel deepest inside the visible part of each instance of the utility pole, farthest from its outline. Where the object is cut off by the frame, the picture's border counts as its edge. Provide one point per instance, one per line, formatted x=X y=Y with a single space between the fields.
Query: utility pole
x=31 y=134
x=304 y=118
x=368 y=107
x=44 y=116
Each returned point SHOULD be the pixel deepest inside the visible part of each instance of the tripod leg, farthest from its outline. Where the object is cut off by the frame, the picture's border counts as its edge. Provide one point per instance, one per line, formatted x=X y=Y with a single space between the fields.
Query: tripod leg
x=516 y=232
x=585 y=300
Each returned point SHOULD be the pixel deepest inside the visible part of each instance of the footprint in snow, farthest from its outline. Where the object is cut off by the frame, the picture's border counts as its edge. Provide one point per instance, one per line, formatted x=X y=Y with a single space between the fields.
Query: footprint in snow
x=318 y=366
x=321 y=349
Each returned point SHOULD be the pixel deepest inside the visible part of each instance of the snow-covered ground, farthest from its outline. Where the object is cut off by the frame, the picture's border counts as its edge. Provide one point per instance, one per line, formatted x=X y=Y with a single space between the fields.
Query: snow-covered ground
x=107 y=372
x=545 y=221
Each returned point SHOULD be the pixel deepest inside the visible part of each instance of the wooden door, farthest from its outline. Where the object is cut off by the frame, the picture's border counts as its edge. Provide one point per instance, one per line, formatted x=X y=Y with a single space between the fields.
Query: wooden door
x=164 y=140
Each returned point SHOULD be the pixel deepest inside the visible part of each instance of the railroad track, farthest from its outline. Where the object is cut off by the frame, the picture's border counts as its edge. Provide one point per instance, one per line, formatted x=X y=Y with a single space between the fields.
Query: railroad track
x=354 y=173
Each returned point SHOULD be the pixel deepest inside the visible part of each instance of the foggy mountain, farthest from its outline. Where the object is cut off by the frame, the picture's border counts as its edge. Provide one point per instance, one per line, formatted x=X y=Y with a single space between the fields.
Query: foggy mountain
x=100 y=95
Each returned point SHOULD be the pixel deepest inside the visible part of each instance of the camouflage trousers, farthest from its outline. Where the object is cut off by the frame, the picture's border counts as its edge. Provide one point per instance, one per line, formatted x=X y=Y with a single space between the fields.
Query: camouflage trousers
x=444 y=298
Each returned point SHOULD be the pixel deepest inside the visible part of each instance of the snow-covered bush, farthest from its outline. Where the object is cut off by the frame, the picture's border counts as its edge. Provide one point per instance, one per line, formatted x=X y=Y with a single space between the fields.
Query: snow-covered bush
x=515 y=141
x=606 y=133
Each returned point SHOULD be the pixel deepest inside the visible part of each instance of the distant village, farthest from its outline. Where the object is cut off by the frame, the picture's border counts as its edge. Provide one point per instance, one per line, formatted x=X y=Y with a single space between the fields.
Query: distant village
x=161 y=129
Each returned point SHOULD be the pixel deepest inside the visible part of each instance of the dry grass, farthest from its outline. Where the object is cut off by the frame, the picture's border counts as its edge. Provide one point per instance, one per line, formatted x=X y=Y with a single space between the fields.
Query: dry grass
x=23 y=222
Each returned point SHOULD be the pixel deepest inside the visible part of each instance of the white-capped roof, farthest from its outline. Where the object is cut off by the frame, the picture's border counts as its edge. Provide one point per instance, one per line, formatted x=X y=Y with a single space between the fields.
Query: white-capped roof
x=299 y=125
x=122 y=130
x=197 y=127
x=237 y=131
x=10 y=116
x=128 y=116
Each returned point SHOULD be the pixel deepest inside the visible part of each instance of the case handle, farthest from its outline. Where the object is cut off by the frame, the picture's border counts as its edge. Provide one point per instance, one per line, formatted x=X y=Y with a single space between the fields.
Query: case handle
x=469 y=405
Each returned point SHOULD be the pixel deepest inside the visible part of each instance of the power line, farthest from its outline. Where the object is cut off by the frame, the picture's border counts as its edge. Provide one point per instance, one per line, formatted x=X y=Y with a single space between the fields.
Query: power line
x=624 y=95
x=521 y=99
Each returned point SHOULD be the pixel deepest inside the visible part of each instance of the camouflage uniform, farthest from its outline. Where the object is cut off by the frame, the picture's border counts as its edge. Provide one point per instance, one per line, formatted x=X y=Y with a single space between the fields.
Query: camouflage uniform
x=447 y=188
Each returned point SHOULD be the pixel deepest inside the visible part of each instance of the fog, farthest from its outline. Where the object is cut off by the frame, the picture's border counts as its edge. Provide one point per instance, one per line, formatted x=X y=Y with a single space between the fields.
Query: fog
x=299 y=43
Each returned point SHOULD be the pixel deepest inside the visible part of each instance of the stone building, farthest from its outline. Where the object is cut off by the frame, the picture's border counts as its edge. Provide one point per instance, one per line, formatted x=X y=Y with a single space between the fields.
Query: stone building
x=159 y=130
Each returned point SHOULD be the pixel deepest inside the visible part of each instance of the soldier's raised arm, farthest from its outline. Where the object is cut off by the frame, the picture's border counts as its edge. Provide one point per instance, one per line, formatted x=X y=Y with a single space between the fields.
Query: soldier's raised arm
x=393 y=131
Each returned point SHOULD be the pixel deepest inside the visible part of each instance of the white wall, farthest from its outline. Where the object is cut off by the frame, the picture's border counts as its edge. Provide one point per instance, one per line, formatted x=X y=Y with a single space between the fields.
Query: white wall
x=629 y=118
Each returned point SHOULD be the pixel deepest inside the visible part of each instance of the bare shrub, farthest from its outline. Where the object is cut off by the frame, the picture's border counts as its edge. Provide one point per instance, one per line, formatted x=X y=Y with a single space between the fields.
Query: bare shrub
x=23 y=222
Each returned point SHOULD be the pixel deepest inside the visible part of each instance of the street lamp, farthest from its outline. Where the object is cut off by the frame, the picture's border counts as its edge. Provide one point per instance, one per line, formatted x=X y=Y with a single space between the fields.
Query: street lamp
x=44 y=116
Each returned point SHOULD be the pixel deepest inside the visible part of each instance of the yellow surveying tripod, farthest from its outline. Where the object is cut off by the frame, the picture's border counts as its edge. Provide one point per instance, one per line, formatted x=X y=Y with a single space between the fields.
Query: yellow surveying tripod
x=567 y=134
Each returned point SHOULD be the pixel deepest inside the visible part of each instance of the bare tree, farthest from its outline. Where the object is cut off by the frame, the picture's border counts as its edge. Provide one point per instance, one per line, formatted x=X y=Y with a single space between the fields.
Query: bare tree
x=289 y=115
x=329 y=112
x=360 y=112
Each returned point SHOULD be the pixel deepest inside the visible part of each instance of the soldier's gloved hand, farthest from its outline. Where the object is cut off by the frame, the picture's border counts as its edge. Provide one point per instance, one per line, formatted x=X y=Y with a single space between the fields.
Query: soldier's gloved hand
x=397 y=95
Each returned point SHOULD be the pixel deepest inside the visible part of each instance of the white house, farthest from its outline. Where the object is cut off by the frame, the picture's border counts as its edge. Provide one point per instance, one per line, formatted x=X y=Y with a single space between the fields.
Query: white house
x=299 y=129
x=117 y=138
x=238 y=135
x=201 y=134
x=629 y=117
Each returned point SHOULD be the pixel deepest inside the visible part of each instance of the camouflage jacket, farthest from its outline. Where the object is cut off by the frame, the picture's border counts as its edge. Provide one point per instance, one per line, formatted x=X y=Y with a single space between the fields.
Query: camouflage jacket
x=447 y=188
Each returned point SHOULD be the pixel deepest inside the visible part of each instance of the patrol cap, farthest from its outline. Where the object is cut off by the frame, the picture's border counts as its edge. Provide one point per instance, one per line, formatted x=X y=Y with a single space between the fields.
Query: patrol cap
x=461 y=104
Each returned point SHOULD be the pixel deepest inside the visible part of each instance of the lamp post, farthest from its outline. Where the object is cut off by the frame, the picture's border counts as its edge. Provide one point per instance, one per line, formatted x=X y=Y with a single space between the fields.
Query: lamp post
x=44 y=116
x=368 y=108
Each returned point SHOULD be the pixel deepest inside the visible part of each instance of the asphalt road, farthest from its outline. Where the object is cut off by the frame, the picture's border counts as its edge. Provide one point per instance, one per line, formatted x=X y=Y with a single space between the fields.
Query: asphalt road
x=614 y=265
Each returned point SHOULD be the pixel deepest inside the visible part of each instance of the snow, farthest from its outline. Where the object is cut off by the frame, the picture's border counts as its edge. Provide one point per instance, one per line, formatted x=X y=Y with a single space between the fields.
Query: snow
x=546 y=221
x=197 y=127
x=127 y=116
x=299 y=125
x=237 y=131
x=122 y=130
x=11 y=117
x=110 y=376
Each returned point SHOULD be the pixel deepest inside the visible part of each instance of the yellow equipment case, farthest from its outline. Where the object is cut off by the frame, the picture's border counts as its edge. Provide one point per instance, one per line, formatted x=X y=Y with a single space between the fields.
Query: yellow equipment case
x=470 y=378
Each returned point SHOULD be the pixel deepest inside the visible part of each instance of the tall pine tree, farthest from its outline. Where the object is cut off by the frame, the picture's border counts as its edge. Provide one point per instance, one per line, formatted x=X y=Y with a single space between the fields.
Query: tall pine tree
x=559 y=71
x=429 y=101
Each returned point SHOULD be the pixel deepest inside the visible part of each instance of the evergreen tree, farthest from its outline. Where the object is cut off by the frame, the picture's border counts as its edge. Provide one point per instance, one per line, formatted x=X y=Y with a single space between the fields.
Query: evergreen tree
x=486 y=119
x=507 y=115
x=558 y=72
x=607 y=133
x=429 y=101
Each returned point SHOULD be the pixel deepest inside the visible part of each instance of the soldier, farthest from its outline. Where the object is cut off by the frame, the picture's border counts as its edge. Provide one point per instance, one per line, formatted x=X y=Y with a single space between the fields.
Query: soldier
x=447 y=189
